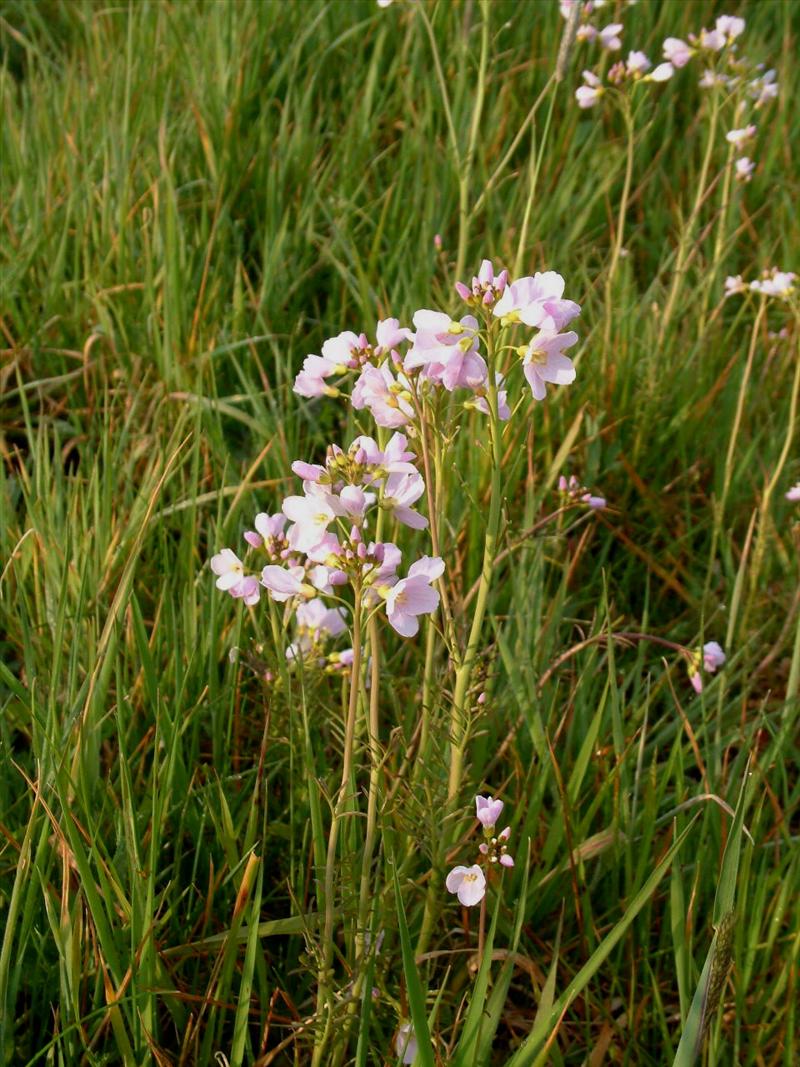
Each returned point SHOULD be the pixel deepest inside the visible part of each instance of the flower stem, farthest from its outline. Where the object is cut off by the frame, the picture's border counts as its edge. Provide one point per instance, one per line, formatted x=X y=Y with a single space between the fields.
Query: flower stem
x=490 y=550
x=687 y=233
x=616 y=251
x=324 y=989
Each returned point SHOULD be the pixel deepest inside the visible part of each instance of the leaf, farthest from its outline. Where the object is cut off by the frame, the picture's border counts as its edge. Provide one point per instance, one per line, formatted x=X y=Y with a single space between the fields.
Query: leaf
x=526 y=1054
x=718 y=959
x=416 y=995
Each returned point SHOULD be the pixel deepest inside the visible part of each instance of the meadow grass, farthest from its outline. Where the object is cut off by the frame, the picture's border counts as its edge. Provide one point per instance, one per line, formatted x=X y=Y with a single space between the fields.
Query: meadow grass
x=194 y=196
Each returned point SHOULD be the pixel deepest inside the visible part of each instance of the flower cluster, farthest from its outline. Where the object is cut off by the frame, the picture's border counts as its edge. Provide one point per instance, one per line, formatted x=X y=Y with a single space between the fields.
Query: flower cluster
x=404 y=366
x=573 y=492
x=716 y=49
x=773 y=282
x=469 y=883
x=608 y=37
x=324 y=546
x=710 y=657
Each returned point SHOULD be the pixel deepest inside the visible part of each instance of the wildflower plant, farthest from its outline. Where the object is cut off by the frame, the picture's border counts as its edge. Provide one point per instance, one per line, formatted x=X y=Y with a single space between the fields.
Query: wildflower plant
x=401 y=531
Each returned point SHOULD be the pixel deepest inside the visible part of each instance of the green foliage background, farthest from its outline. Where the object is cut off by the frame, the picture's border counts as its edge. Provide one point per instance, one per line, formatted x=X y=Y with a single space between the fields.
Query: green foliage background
x=194 y=196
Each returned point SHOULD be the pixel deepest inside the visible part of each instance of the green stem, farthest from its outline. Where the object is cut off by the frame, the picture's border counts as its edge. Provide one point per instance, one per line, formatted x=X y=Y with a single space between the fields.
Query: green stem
x=374 y=785
x=537 y=155
x=324 y=991
x=490 y=549
x=687 y=233
x=465 y=172
x=616 y=251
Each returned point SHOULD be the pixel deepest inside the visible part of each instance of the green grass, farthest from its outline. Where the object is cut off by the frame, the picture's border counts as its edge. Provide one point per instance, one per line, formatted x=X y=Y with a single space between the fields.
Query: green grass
x=194 y=196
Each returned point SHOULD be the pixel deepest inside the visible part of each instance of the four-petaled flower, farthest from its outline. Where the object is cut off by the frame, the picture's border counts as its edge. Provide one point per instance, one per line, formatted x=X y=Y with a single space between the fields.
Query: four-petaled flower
x=488 y=810
x=468 y=883
x=414 y=595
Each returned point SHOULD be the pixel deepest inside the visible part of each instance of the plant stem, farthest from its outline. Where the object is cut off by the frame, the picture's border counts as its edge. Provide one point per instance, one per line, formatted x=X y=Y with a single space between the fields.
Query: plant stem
x=490 y=548
x=324 y=993
x=620 y=231
x=688 y=230
x=465 y=170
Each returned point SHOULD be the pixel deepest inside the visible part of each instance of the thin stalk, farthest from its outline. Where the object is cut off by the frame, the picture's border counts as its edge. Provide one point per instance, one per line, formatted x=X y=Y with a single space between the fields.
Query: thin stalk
x=433 y=485
x=465 y=171
x=687 y=233
x=490 y=548
x=722 y=225
x=324 y=988
x=374 y=786
x=616 y=251
x=537 y=153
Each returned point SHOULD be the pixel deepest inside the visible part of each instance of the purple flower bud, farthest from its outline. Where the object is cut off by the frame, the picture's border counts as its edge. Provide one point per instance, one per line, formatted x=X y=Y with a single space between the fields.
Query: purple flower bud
x=501 y=281
x=361 y=550
x=437 y=241
x=337 y=578
x=463 y=291
x=379 y=552
x=253 y=539
x=488 y=298
x=506 y=860
x=482 y=698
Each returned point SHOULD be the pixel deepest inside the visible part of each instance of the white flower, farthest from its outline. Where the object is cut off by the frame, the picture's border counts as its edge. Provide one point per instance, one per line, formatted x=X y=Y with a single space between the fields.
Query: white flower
x=468 y=883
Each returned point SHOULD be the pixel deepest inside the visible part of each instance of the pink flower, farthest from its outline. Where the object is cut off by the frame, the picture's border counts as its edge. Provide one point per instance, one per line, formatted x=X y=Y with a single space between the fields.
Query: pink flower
x=678 y=52
x=713 y=656
x=310 y=382
x=637 y=63
x=231 y=577
x=405 y=1044
x=609 y=37
x=228 y=568
x=487 y=811
x=414 y=595
x=775 y=283
x=341 y=350
x=744 y=169
x=270 y=527
x=734 y=284
x=697 y=681
x=387 y=398
x=764 y=88
x=729 y=27
x=594 y=502
x=390 y=334
x=468 y=883
x=448 y=350
x=400 y=491
x=395 y=460
x=712 y=40
x=738 y=137
x=352 y=503
x=587 y=96
x=544 y=361
x=793 y=494
x=481 y=401
x=311 y=516
x=537 y=301
x=316 y=617
x=285 y=582
x=663 y=72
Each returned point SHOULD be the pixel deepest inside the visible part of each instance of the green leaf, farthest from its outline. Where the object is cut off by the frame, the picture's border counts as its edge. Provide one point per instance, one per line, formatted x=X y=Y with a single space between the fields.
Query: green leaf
x=416 y=994
x=528 y=1051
